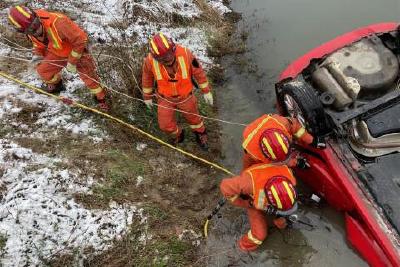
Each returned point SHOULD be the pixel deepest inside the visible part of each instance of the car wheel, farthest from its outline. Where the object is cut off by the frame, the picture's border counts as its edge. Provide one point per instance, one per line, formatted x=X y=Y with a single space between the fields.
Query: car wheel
x=300 y=101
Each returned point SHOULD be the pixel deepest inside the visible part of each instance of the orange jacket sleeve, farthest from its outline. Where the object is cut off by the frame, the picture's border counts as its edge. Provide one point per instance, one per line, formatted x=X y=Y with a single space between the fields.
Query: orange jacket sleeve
x=299 y=132
x=69 y=31
x=39 y=51
x=232 y=188
x=295 y=128
x=147 y=79
x=198 y=73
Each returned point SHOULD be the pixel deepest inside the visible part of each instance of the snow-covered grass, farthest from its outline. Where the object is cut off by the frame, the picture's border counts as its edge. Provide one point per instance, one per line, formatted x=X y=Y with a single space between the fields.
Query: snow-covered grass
x=39 y=217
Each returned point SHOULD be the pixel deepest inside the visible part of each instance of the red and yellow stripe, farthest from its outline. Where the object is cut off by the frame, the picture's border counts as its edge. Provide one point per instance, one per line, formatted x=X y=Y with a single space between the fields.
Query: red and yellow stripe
x=13 y=21
x=281 y=142
x=164 y=40
x=289 y=191
x=154 y=46
x=269 y=148
x=276 y=197
x=23 y=12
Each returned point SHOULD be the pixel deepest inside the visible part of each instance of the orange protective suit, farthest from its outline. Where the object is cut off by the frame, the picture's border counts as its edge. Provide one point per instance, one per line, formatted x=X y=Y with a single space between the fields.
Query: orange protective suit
x=64 y=42
x=251 y=136
x=248 y=184
x=174 y=89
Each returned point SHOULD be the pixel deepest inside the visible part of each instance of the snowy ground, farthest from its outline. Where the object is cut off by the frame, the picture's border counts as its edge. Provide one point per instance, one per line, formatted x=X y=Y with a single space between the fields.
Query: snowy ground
x=38 y=215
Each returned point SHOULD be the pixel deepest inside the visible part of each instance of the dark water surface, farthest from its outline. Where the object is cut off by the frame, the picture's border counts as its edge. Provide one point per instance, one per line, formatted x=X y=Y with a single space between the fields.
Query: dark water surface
x=279 y=31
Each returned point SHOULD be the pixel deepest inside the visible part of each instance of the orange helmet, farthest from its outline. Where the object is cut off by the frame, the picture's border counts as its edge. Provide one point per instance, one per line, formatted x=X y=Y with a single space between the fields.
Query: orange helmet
x=161 y=46
x=23 y=19
x=281 y=193
x=274 y=144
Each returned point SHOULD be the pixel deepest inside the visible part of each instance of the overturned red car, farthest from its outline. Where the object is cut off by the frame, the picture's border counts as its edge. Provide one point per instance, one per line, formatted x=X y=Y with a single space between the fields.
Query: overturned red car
x=347 y=92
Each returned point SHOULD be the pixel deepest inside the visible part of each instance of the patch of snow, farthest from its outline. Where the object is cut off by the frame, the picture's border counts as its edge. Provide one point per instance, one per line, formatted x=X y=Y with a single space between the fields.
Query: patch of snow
x=190 y=235
x=139 y=180
x=141 y=146
x=39 y=215
x=219 y=6
x=55 y=115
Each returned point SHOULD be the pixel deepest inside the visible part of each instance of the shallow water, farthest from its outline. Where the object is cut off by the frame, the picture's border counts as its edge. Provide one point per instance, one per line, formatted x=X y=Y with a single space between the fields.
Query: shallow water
x=278 y=32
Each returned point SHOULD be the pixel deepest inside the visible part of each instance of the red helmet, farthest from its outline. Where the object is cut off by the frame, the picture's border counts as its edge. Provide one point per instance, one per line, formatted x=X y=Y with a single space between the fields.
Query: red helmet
x=23 y=19
x=274 y=144
x=161 y=45
x=280 y=193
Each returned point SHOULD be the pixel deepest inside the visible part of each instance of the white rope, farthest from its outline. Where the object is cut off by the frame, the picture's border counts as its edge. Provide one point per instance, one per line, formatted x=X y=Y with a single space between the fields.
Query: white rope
x=18 y=45
x=12 y=47
x=134 y=98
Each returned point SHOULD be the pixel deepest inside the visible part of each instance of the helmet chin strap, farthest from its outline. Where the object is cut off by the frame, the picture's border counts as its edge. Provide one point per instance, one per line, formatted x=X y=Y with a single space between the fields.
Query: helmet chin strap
x=287 y=212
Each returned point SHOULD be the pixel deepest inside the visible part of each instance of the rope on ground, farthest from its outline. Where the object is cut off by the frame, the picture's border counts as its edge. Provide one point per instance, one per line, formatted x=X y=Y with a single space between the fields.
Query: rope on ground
x=18 y=45
x=76 y=104
x=128 y=96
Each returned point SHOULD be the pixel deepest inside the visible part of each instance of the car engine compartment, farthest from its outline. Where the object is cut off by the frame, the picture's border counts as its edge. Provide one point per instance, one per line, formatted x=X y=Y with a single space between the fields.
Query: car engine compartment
x=354 y=76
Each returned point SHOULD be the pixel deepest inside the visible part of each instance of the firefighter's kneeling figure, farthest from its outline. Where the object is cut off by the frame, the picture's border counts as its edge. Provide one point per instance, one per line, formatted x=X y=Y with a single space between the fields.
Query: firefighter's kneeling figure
x=263 y=189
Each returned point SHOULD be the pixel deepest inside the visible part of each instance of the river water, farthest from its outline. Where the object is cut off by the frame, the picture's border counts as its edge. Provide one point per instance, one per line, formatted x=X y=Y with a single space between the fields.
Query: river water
x=279 y=31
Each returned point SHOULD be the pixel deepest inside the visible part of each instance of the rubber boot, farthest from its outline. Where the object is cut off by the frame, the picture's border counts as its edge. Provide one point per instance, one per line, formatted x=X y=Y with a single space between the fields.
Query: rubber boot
x=202 y=140
x=179 y=139
x=246 y=245
x=55 y=88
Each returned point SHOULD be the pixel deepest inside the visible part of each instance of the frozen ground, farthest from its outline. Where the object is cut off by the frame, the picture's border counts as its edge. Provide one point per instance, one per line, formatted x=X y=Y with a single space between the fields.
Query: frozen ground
x=38 y=215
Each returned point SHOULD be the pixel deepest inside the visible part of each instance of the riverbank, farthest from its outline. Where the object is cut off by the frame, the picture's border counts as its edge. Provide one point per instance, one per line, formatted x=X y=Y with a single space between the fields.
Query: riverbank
x=77 y=189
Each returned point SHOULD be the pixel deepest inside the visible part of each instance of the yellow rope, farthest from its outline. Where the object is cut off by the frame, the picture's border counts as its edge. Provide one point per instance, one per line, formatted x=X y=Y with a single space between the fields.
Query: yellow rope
x=76 y=104
x=205 y=228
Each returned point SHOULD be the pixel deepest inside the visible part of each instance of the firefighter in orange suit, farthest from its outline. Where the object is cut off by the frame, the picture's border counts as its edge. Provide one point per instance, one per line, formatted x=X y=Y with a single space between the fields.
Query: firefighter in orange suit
x=262 y=189
x=268 y=139
x=171 y=68
x=58 y=42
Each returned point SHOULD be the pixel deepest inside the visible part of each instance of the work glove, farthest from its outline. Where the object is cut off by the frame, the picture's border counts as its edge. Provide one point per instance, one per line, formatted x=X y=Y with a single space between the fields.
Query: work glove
x=302 y=163
x=318 y=142
x=148 y=103
x=71 y=68
x=36 y=59
x=280 y=223
x=208 y=98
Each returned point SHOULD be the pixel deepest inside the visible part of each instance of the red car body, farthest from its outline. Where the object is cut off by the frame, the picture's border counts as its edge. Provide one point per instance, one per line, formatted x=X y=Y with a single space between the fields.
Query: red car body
x=335 y=179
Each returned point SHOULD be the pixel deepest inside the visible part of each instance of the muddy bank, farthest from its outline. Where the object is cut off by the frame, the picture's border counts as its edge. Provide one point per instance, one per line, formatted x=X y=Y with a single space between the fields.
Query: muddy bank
x=171 y=192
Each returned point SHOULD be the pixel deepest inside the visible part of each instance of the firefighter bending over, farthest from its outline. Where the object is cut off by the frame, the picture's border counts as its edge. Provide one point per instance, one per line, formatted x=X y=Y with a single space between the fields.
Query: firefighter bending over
x=58 y=42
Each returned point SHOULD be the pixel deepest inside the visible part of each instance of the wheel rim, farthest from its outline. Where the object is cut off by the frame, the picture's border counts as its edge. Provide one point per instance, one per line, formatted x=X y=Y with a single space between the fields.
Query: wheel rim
x=293 y=109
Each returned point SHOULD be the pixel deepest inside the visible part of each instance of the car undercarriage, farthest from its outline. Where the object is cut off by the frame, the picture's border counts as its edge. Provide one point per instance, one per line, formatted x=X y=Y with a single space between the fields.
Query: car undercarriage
x=350 y=95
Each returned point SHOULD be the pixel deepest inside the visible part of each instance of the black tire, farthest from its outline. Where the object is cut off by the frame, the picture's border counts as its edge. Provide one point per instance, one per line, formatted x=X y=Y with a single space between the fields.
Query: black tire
x=309 y=104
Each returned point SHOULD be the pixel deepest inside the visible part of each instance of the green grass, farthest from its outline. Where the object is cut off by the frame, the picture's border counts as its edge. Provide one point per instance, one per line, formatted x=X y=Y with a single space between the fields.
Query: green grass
x=3 y=242
x=155 y=213
x=121 y=172
x=162 y=253
x=5 y=129
x=170 y=252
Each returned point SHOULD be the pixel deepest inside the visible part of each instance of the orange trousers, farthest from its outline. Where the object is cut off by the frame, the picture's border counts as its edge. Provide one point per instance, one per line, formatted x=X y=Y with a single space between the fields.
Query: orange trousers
x=50 y=70
x=258 y=229
x=167 y=119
